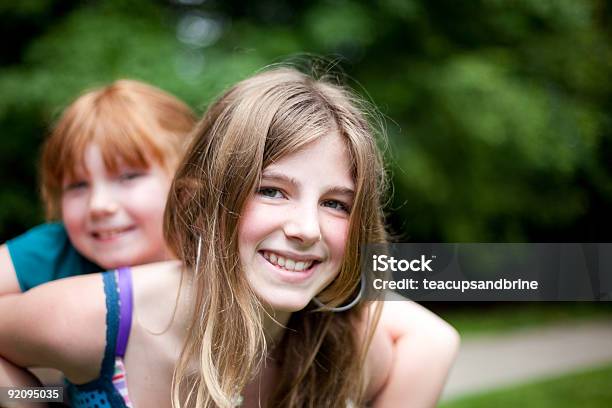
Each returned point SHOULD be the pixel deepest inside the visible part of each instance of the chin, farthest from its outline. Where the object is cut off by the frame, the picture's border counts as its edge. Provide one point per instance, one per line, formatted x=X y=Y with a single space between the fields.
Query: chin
x=287 y=305
x=115 y=262
x=131 y=258
x=109 y=264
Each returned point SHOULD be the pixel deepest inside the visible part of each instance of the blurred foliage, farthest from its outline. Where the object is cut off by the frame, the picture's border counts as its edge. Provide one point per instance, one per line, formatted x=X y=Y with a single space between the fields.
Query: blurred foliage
x=503 y=317
x=498 y=112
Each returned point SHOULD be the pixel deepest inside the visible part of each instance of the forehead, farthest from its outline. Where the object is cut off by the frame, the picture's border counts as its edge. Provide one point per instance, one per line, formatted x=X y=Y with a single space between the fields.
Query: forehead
x=324 y=161
x=104 y=157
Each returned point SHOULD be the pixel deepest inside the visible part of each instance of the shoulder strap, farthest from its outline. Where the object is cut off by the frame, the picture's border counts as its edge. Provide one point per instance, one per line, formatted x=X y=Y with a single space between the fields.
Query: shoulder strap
x=125 y=306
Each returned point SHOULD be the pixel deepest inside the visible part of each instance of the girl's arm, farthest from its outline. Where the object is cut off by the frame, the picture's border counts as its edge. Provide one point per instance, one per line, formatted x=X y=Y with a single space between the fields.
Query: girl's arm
x=40 y=255
x=8 y=276
x=410 y=356
x=13 y=376
x=60 y=325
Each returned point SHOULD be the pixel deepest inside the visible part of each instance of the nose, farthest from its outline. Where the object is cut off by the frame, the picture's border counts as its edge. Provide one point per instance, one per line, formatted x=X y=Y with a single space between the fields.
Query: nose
x=102 y=202
x=303 y=225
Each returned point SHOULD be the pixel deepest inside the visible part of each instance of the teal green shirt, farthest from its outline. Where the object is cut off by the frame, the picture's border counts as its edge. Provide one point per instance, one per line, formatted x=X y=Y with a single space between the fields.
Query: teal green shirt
x=44 y=254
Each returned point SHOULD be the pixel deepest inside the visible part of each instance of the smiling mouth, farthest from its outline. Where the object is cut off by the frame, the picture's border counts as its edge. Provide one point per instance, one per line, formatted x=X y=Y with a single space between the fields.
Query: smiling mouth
x=288 y=264
x=110 y=234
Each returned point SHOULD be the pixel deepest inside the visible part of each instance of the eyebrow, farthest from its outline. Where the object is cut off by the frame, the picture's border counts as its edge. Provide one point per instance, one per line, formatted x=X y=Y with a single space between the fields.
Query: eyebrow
x=275 y=176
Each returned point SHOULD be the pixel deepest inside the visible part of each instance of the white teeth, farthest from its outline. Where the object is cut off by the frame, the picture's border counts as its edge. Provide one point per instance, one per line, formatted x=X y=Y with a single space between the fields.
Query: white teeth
x=289 y=264
x=110 y=233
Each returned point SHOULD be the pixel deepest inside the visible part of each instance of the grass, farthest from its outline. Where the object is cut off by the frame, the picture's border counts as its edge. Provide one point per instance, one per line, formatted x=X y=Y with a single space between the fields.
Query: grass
x=589 y=389
x=483 y=318
x=585 y=389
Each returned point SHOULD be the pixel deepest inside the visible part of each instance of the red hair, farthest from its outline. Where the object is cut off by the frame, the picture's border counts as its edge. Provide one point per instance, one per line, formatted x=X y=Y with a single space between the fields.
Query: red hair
x=131 y=122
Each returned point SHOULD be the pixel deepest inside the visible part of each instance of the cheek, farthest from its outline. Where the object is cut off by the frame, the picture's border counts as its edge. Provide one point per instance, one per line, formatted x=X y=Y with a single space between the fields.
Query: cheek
x=74 y=217
x=147 y=201
x=73 y=213
x=255 y=223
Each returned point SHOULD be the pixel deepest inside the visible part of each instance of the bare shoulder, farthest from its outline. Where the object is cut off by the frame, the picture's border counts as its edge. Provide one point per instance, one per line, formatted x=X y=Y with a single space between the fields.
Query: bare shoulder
x=402 y=317
x=155 y=272
x=154 y=280
x=411 y=354
x=156 y=289
x=61 y=324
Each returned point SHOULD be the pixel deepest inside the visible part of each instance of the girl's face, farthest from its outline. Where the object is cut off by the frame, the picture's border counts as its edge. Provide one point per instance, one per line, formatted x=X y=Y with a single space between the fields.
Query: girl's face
x=116 y=219
x=293 y=229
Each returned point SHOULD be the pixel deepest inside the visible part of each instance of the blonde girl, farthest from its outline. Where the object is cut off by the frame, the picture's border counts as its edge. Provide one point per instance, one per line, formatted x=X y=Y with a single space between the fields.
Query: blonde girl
x=268 y=211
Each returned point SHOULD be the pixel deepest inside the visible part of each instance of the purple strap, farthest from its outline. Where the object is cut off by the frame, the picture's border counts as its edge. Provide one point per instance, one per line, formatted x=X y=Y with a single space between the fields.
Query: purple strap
x=125 y=313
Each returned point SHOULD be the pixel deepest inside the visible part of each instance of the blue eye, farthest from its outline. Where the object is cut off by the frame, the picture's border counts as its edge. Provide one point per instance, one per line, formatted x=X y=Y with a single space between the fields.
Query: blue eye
x=270 y=192
x=337 y=205
x=130 y=175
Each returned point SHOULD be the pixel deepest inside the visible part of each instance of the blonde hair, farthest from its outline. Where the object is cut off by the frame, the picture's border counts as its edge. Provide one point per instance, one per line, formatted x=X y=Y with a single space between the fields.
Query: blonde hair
x=256 y=122
x=132 y=123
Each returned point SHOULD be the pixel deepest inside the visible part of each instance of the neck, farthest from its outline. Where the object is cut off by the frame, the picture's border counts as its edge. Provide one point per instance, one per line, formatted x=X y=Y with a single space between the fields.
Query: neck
x=275 y=323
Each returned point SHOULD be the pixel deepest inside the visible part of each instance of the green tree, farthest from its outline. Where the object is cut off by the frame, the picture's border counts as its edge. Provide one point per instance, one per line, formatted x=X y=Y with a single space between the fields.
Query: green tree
x=498 y=112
